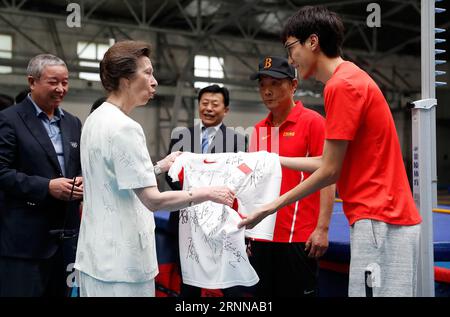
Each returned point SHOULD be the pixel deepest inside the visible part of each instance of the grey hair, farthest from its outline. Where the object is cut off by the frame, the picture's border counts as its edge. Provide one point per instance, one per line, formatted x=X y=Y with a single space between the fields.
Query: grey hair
x=37 y=64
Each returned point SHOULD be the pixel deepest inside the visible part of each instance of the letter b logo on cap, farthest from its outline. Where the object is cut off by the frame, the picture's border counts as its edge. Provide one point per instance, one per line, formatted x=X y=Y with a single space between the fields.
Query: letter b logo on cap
x=267 y=63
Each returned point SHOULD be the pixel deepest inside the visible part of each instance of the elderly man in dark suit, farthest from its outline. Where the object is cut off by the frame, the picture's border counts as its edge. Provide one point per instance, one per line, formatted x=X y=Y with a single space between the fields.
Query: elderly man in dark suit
x=40 y=178
x=210 y=135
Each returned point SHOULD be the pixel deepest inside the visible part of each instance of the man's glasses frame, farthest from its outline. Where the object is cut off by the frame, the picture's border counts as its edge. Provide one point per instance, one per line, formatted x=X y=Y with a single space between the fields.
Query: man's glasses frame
x=288 y=46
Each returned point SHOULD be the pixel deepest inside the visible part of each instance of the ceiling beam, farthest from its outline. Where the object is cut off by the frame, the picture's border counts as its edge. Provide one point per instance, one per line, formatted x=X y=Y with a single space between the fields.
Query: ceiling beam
x=133 y=13
x=97 y=5
x=53 y=30
x=157 y=12
x=185 y=16
x=23 y=34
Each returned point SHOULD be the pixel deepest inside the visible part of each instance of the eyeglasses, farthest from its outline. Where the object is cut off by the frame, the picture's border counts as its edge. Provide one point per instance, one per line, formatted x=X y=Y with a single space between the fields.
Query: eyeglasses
x=288 y=46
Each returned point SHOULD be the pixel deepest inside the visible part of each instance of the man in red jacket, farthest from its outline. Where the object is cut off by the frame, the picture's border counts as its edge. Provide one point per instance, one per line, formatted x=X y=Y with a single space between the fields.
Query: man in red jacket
x=287 y=265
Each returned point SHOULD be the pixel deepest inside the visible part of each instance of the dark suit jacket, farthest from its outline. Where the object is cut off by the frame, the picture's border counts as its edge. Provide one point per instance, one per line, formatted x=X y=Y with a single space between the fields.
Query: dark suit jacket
x=188 y=140
x=28 y=162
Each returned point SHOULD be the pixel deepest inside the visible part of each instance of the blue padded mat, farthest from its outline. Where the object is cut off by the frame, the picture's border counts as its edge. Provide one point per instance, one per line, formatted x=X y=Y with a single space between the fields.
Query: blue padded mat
x=339 y=235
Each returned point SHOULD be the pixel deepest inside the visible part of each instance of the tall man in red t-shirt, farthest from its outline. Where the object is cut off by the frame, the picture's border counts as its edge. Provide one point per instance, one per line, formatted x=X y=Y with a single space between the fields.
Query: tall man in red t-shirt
x=286 y=266
x=361 y=153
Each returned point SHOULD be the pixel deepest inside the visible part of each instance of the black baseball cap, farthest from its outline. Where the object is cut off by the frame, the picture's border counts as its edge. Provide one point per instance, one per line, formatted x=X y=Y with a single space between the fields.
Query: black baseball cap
x=276 y=67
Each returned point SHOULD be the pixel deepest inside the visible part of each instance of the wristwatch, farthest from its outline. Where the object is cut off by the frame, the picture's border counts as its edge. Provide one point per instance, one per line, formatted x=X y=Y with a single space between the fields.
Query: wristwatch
x=191 y=203
x=157 y=169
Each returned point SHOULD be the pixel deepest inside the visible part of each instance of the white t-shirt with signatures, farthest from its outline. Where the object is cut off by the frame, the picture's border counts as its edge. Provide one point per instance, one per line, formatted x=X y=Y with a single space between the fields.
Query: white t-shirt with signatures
x=212 y=248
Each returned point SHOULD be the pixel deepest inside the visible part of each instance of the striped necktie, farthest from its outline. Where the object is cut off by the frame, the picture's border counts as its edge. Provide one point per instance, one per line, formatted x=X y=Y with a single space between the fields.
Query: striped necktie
x=205 y=137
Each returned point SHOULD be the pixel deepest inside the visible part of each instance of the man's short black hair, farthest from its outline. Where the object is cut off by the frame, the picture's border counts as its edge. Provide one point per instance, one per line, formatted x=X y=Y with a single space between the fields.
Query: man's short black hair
x=216 y=89
x=327 y=25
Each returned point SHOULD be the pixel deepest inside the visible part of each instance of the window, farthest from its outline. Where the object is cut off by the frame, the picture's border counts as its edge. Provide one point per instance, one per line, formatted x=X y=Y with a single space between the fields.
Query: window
x=5 y=52
x=91 y=51
x=207 y=66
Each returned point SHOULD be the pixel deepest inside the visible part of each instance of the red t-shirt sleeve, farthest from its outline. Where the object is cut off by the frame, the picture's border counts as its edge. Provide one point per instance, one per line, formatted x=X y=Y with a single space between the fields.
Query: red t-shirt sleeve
x=316 y=136
x=344 y=106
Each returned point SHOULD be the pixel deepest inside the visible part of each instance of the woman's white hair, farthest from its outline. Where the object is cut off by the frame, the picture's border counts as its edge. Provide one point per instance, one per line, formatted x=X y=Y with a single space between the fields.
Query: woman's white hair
x=37 y=64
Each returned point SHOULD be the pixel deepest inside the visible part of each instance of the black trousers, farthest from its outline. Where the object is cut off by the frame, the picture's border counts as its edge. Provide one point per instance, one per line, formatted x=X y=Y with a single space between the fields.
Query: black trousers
x=33 y=278
x=284 y=270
